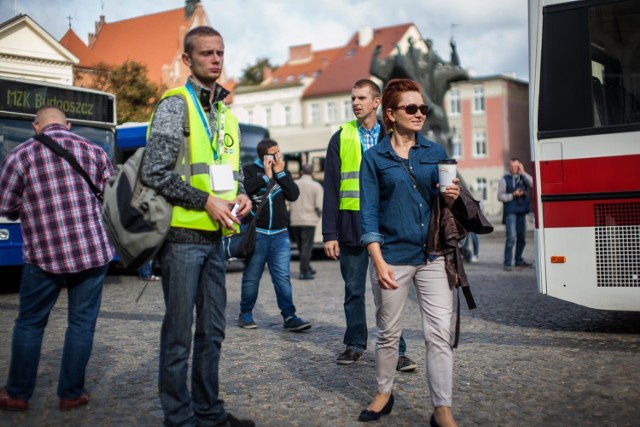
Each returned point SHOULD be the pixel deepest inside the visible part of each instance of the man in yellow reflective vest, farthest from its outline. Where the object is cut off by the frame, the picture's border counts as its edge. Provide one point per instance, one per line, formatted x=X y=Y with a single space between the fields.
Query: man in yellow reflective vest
x=203 y=193
x=341 y=231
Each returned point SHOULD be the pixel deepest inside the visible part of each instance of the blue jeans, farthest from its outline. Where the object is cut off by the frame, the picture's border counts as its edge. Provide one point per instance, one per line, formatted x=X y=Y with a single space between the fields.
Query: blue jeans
x=192 y=275
x=354 y=262
x=275 y=251
x=146 y=270
x=516 y=226
x=475 y=242
x=39 y=291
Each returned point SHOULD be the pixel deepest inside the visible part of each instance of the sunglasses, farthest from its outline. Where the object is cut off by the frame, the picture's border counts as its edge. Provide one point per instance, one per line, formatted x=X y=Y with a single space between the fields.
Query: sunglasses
x=413 y=108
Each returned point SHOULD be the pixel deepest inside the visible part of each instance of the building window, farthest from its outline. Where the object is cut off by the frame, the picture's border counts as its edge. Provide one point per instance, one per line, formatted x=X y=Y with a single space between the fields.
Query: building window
x=478 y=99
x=315 y=113
x=456 y=145
x=268 y=116
x=454 y=101
x=479 y=144
x=332 y=112
x=346 y=110
x=481 y=188
x=287 y=115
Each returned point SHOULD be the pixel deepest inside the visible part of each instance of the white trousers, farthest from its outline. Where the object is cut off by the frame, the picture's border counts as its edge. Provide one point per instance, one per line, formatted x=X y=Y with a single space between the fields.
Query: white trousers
x=436 y=307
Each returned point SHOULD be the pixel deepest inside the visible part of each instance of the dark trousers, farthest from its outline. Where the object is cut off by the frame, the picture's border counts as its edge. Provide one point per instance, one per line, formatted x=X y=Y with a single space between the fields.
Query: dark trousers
x=303 y=236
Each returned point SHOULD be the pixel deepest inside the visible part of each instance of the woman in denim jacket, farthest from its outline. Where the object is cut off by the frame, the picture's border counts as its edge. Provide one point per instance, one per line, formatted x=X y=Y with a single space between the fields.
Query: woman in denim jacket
x=395 y=224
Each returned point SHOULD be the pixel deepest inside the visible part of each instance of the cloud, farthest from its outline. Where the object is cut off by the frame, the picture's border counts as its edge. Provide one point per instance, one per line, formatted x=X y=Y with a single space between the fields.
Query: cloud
x=491 y=36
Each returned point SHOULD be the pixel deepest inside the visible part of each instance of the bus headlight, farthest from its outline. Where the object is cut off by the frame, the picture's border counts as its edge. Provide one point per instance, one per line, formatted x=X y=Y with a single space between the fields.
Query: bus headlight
x=4 y=234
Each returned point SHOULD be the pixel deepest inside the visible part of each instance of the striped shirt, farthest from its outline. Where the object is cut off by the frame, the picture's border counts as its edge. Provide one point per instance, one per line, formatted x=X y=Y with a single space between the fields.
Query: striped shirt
x=59 y=214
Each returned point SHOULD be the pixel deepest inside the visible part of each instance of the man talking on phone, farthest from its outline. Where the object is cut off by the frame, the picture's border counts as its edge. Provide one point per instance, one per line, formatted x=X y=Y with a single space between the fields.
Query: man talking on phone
x=267 y=177
x=512 y=191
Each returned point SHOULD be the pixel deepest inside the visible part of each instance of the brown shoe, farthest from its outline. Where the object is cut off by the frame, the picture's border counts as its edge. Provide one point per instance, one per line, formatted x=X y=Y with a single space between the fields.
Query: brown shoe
x=68 y=404
x=8 y=403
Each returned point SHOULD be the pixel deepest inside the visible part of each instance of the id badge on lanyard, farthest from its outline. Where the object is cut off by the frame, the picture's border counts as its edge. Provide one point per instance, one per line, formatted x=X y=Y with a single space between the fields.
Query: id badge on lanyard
x=221 y=175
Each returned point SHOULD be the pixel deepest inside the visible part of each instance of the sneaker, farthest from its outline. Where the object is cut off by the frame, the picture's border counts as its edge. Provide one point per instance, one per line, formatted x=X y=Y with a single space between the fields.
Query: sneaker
x=295 y=324
x=475 y=259
x=306 y=276
x=524 y=264
x=245 y=321
x=349 y=356
x=151 y=278
x=405 y=364
x=507 y=268
x=232 y=421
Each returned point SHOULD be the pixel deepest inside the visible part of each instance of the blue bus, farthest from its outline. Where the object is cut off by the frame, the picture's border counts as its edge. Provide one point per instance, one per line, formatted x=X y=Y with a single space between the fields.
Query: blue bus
x=132 y=136
x=92 y=114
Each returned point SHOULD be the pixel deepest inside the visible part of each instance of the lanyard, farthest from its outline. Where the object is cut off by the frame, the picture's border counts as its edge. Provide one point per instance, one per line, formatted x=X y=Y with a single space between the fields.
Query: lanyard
x=205 y=122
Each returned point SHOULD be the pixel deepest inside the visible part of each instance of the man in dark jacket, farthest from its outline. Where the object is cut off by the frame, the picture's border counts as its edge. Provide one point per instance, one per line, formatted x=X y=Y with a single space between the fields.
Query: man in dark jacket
x=341 y=216
x=512 y=191
x=267 y=177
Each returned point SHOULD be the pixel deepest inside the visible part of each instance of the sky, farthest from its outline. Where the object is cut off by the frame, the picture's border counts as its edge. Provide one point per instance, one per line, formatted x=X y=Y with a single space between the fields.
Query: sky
x=491 y=36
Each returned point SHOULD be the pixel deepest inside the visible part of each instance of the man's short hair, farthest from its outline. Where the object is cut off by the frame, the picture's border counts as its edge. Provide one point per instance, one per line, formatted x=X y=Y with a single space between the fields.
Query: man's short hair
x=306 y=169
x=203 y=30
x=264 y=145
x=48 y=114
x=373 y=87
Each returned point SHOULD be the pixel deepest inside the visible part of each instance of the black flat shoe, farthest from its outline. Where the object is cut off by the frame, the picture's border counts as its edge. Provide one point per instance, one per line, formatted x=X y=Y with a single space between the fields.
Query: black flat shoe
x=433 y=422
x=367 y=415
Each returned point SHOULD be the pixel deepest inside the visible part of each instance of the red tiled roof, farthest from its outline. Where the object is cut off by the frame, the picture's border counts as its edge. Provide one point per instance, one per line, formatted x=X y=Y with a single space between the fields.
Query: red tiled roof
x=353 y=61
x=72 y=42
x=294 y=71
x=153 y=40
x=156 y=39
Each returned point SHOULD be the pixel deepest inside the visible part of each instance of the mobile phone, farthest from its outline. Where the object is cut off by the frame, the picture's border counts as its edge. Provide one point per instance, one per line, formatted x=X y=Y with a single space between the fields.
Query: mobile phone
x=234 y=211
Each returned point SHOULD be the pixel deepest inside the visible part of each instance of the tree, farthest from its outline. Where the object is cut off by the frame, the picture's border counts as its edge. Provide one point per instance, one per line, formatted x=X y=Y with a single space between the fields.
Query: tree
x=254 y=74
x=135 y=94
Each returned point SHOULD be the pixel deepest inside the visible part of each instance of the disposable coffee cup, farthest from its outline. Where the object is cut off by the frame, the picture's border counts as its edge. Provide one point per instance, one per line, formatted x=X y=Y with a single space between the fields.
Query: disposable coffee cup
x=446 y=171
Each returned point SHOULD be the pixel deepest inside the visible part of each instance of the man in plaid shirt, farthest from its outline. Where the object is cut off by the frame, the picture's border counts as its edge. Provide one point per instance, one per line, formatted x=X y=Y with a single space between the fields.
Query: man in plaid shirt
x=65 y=244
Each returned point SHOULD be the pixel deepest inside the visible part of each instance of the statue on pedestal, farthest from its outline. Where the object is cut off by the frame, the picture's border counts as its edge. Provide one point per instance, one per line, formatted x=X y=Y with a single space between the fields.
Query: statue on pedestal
x=432 y=73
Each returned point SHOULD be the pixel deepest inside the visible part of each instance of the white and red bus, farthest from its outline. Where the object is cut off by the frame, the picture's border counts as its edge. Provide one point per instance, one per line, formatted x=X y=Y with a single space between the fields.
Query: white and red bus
x=585 y=144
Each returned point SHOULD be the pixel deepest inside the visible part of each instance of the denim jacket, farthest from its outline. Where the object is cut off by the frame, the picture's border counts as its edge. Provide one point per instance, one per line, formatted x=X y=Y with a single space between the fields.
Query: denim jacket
x=392 y=212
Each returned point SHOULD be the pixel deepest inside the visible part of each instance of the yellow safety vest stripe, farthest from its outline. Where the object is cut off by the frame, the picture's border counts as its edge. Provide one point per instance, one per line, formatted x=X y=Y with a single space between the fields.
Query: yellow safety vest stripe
x=350 y=158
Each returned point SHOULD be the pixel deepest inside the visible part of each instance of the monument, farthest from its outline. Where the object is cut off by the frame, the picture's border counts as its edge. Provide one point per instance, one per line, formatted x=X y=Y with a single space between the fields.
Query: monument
x=434 y=74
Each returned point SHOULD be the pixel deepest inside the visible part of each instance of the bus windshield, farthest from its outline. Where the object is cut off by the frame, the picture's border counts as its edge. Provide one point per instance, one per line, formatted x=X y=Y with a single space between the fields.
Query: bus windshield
x=14 y=132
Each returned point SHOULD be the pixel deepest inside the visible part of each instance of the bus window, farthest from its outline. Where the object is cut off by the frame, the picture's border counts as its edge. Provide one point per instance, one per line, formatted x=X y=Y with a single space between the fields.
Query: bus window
x=589 y=67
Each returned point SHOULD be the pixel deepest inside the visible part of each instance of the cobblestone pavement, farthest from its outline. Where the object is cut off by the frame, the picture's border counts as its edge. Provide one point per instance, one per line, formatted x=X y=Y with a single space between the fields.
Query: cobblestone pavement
x=524 y=359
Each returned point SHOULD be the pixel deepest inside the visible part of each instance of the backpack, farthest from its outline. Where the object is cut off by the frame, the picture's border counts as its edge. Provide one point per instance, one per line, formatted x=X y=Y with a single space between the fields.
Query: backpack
x=136 y=218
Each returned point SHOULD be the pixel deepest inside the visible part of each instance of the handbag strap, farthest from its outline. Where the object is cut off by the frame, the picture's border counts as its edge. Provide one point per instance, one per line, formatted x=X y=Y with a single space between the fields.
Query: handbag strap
x=264 y=201
x=58 y=149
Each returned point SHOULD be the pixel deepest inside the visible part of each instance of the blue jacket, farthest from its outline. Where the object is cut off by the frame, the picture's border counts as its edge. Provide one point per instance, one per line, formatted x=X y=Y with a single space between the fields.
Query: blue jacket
x=518 y=205
x=393 y=213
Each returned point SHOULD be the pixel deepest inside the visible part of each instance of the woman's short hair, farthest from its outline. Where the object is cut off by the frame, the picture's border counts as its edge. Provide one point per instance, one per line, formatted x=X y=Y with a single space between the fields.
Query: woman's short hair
x=391 y=97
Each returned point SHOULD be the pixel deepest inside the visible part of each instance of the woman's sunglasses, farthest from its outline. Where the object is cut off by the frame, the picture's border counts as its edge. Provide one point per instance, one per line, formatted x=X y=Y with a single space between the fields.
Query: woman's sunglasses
x=413 y=108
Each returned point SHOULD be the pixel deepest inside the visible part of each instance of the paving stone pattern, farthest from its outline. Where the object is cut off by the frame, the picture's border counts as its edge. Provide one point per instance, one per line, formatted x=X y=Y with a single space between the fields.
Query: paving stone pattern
x=524 y=359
